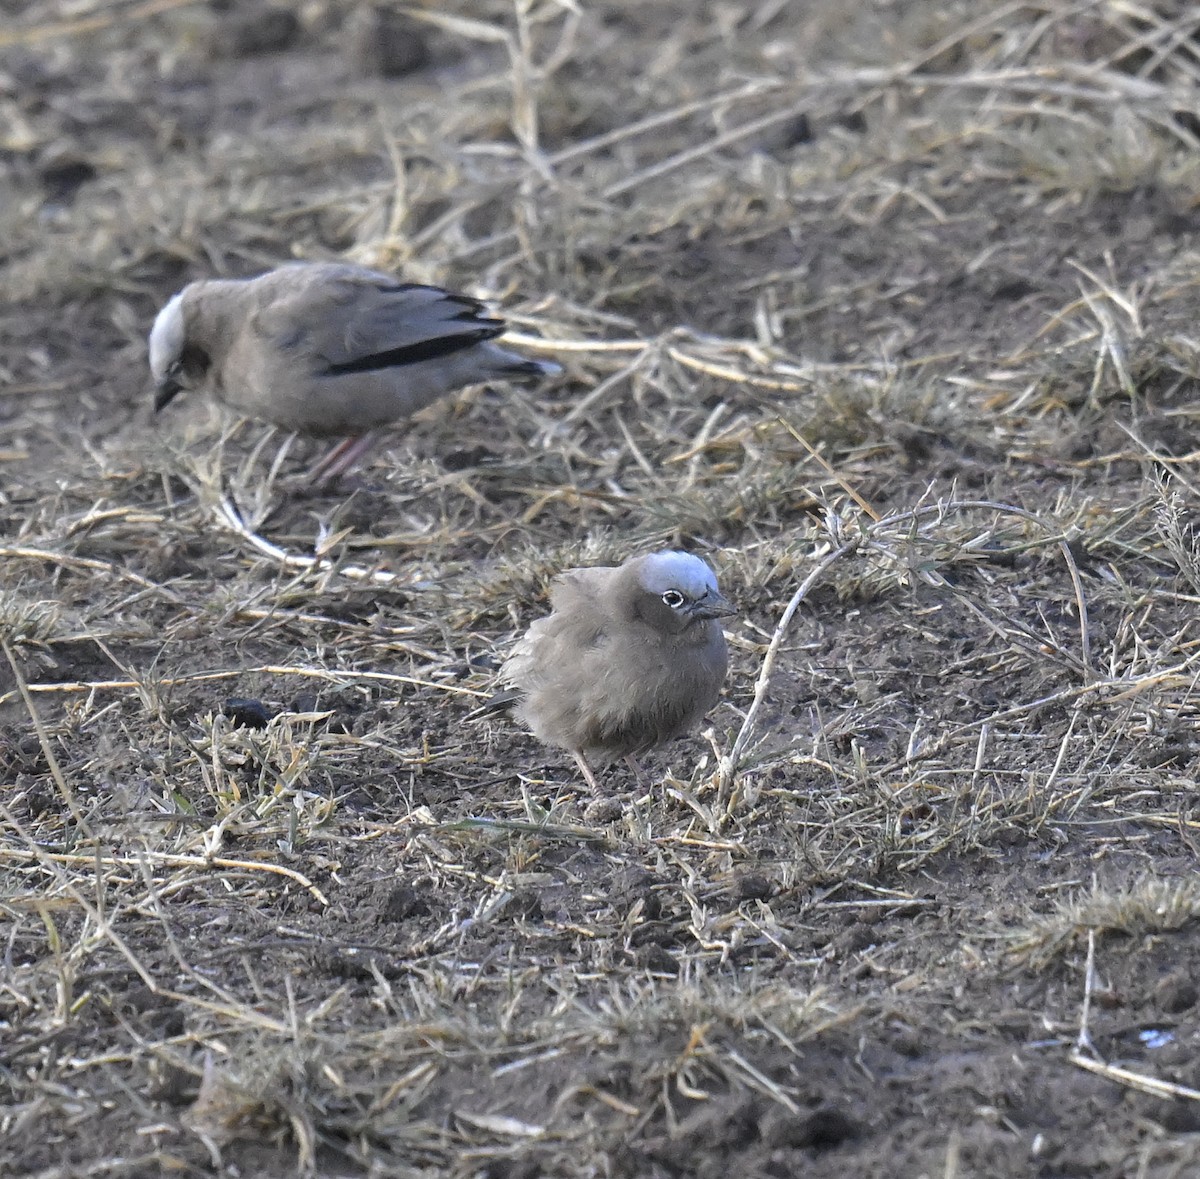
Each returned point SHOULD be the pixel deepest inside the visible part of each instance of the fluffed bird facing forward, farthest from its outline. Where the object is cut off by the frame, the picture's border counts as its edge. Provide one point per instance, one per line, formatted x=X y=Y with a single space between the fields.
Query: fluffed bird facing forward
x=630 y=657
x=327 y=349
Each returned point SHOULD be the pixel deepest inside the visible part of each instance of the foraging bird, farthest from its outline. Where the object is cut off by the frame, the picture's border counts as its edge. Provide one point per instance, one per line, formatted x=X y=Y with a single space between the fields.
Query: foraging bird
x=327 y=349
x=629 y=658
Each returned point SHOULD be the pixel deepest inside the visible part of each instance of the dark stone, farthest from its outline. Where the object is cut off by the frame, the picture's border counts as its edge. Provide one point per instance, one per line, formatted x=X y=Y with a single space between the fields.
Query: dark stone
x=247 y=713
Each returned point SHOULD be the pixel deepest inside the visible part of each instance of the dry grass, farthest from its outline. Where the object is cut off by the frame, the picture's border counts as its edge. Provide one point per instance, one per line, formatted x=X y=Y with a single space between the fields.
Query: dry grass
x=1138 y=909
x=889 y=311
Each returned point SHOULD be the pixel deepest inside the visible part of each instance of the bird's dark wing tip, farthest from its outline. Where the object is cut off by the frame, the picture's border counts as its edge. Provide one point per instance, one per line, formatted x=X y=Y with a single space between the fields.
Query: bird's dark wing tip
x=500 y=702
x=423 y=350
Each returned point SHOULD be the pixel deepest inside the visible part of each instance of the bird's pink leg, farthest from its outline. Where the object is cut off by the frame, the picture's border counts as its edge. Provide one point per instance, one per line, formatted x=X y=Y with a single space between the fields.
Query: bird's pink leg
x=340 y=459
x=639 y=777
x=586 y=771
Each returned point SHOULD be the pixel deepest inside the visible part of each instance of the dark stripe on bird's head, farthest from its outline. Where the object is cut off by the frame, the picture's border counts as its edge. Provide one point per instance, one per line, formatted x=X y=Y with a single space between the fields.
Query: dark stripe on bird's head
x=188 y=370
x=433 y=349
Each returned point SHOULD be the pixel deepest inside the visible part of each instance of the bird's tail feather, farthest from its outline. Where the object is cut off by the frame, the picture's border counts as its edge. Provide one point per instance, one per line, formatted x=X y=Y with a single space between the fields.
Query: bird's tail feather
x=522 y=367
x=500 y=702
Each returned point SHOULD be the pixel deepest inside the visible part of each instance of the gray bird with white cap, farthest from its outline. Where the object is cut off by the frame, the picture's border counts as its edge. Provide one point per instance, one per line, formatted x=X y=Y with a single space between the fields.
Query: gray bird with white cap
x=631 y=656
x=329 y=350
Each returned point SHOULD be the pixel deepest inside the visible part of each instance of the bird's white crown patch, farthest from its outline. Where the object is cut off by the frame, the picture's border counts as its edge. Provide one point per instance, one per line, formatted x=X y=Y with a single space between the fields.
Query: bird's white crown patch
x=678 y=571
x=166 y=337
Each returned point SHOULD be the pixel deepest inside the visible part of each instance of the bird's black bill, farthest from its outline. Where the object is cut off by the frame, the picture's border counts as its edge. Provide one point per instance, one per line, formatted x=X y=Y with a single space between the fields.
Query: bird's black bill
x=165 y=393
x=714 y=606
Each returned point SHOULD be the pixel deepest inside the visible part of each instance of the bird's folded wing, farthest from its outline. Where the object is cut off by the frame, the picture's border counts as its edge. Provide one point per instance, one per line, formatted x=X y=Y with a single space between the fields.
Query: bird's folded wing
x=356 y=323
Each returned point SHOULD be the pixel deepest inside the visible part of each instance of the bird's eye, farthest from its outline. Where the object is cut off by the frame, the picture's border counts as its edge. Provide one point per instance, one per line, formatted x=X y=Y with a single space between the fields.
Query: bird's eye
x=175 y=368
x=674 y=599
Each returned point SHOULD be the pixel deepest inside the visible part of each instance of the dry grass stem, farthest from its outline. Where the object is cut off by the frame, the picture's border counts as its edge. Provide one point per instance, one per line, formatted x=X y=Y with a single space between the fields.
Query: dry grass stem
x=886 y=310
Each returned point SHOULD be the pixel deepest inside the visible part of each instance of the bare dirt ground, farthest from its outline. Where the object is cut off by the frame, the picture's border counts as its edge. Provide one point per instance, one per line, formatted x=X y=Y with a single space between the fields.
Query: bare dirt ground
x=889 y=309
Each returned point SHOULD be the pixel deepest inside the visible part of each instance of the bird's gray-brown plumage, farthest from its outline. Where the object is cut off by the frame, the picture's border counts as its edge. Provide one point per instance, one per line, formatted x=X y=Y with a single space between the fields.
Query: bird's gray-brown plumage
x=328 y=350
x=629 y=658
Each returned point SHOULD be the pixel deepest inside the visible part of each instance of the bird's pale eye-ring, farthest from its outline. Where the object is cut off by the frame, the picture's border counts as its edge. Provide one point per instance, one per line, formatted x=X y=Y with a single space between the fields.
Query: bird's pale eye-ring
x=674 y=599
x=175 y=368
